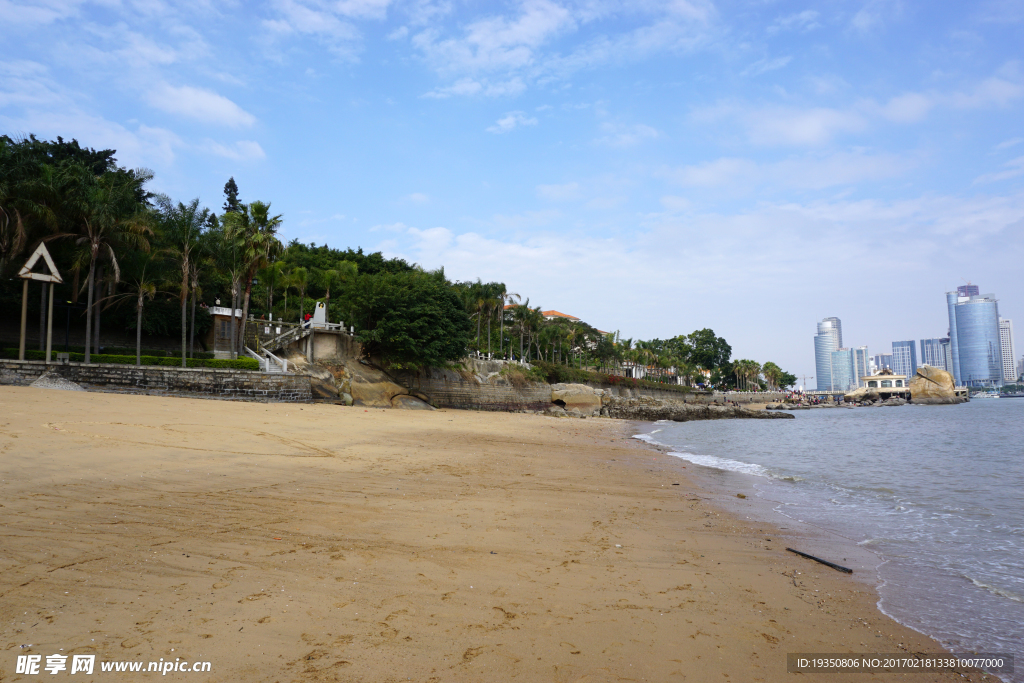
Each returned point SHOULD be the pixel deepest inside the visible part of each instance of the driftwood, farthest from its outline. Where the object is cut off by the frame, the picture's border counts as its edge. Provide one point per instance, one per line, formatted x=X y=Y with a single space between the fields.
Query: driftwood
x=824 y=562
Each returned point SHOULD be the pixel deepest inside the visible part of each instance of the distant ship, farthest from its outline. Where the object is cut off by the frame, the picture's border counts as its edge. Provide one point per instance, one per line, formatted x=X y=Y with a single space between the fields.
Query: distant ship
x=987 y=394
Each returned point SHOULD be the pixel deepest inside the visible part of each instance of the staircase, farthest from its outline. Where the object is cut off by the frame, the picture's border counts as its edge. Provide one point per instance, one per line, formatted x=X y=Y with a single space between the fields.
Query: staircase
x=286 y=338
x=269 y=363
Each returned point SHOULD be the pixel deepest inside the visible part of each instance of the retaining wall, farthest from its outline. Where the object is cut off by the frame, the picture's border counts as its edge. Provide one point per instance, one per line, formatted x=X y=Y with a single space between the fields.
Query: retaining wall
x=241 y=385
x=449 y=389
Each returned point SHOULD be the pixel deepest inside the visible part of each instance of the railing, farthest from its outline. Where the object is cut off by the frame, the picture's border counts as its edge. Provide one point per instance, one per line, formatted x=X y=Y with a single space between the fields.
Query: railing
x=283 y=364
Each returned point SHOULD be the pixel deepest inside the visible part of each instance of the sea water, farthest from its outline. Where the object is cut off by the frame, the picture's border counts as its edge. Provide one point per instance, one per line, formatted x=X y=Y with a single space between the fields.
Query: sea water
x=936 y=492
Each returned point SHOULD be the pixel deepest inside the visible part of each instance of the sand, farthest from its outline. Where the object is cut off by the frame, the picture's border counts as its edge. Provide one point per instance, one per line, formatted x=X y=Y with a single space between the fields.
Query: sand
x=323 y=543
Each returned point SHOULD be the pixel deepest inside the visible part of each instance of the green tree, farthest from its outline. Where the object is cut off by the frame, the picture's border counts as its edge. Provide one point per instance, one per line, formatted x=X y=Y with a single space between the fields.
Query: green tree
x=231 y=203
x=182 y=228
x=410 y=319
x=256 y=232
x=708 y=351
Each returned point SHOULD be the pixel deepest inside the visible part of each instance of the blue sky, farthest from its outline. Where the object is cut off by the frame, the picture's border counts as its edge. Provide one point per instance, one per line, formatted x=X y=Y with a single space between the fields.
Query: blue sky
x=652 y=167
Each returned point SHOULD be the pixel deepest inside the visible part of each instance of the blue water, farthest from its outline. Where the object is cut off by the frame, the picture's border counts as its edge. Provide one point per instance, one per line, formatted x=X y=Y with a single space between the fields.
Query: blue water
x=937 y=492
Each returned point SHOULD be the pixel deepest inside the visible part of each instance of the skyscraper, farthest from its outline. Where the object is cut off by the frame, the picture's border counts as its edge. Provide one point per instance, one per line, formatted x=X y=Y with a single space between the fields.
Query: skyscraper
x=904 y=358
x=883 y=360
x=1006 y=347
x=828 y=339
x=974 y=338
x=861 y=364
x=968 y=290
x=844 y=369
x=933 y=353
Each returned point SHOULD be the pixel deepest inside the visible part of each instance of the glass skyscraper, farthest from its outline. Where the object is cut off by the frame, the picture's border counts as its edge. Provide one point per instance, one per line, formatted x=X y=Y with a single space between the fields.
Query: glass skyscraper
x=861 y=364
x=844 y=370
x=974 y=338
x=828 y=339
x=933 y=353
x=904 y=358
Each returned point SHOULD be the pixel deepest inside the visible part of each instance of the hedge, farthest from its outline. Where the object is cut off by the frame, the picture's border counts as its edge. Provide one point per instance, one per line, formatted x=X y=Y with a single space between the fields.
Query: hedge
x=238 y=364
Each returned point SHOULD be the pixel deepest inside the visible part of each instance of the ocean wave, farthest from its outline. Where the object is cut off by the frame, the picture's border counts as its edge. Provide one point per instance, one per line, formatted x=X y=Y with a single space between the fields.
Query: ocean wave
x=722 y=463
x=1001 y=592
x=646 y=438
x=788 y=477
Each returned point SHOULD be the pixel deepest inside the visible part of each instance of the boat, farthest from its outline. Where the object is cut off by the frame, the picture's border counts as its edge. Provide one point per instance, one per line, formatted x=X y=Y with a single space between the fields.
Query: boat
x=986 y=394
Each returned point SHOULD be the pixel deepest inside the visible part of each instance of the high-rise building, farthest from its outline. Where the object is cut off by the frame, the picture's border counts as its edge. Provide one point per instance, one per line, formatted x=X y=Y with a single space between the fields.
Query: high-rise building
x=1007 y=350
x=828 y=339
x=861 y=365
x=968 y=290
x=947 y=354
x=883 y=360
x=933 y=353
x=844 y=369
x=974 y=338
x=904 y=358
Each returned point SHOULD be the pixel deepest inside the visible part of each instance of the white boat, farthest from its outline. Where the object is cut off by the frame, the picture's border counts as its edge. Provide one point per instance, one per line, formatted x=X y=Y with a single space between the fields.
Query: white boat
x=987 y=394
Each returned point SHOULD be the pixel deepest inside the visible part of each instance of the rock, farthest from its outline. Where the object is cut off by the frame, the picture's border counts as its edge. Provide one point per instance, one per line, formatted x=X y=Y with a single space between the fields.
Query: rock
x=372 y=387
x=322 y=389
x=404 y=402
x=861 y=394
x=555 y=411
x=579 y=397
x=932 y=386
x=652 y=409
x=51 y=380
x=346 y=398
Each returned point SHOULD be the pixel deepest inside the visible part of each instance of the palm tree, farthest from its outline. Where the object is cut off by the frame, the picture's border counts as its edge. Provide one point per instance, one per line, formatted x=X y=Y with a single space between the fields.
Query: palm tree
x=342 y=272
x=506 y=297
x=183 y=226
x=108 y=215
x=227 y=257
x=300 y=280
x=256 y=232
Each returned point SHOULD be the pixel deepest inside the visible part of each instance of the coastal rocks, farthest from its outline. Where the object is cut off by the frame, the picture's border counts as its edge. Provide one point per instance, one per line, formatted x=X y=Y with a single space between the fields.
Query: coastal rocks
x=861 y=395
x=406 y=402
x=932 y=386
x=52 y=380
x=581 y=398
x=651 y=409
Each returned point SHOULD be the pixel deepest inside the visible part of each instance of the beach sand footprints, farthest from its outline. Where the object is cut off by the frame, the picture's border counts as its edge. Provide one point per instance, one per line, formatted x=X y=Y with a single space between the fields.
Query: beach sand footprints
x=193 y=437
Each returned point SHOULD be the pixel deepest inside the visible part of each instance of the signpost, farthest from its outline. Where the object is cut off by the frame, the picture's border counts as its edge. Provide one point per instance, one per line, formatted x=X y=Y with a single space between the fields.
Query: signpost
x=51 y=278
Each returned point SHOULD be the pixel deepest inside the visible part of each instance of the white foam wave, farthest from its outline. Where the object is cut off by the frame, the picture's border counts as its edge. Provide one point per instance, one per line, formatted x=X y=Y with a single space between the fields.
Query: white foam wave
x=722 y=463
x=646 y=438
x=998 y=591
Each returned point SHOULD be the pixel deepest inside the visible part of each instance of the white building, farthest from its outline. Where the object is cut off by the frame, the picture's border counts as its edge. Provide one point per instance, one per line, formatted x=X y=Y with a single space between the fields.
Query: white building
x=1006 y=346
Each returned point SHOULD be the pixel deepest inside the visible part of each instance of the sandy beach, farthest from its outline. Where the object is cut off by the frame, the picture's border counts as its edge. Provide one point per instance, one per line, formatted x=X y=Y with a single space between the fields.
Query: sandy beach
x=323 y=543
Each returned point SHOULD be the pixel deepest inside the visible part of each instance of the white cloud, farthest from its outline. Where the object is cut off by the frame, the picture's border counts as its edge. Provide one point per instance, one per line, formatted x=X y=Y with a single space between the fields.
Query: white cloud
x=37 y=11
x=801 y=21
x=201 y=104
x=907 y=108
x=511 y=121
x=1007 y=144
x=765 y=65
x=788 y=126
x=560 y=193
x=417 y=198
x=742 y=176
x=243 y=150
x=1014 y=169
x=399 y=33
x=469 y=86
x=619 y=135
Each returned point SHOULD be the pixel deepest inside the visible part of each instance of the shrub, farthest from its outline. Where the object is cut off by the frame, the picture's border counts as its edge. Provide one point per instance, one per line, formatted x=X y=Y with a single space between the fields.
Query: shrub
x=561 y=374
x=237 y=364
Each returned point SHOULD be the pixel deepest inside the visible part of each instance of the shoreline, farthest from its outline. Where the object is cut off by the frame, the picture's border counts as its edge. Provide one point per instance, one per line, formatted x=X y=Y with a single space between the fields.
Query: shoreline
x=319 y=542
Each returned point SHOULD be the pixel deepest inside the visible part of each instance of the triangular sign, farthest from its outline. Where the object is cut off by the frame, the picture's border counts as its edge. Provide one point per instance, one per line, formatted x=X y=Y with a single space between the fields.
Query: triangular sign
x=26 y=271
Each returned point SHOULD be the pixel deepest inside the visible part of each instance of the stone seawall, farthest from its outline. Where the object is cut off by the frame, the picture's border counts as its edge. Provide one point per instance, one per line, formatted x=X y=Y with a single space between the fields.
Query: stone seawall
x=240 y=385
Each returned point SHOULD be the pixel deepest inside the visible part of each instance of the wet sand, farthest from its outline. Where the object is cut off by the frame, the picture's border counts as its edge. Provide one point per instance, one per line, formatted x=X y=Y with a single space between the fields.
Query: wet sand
x=323 y=543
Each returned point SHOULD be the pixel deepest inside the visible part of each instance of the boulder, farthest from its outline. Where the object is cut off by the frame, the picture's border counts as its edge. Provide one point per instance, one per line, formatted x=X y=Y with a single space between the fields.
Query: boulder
x=403 y=402
x=861 y=394
x=579 y=397
x=932 y=386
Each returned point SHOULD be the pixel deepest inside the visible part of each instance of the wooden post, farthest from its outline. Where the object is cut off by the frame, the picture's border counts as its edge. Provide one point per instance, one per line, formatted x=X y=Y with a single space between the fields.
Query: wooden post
x=49 y=326
x=24 y=318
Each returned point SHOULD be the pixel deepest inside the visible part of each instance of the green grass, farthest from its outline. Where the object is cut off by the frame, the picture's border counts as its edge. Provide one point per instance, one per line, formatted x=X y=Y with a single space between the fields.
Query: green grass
x=116 y=359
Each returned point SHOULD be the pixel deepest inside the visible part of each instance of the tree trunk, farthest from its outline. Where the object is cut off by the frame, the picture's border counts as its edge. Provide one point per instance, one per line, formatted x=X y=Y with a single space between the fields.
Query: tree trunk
x=138 y=331
x=184 y=329
x=302 y=304
x=489 y=316
x=99 y=310
x=501 y=331
x=478 y=315
x=192 y=328
x=88 y=309
x=245 y=314
x=232 y=347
